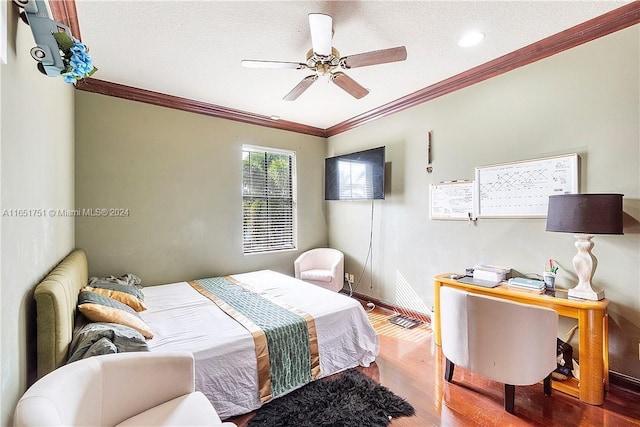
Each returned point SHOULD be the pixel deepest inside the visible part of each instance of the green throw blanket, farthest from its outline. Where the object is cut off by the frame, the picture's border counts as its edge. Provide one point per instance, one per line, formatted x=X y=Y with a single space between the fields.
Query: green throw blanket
x=287 y=334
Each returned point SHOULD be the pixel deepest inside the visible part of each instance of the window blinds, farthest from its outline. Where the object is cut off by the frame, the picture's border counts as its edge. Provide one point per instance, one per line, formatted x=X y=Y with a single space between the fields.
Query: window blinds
x=268 y=203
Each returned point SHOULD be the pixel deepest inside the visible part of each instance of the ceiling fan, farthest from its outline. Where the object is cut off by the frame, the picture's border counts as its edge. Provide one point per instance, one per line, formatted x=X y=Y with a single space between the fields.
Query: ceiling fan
x=325 y=60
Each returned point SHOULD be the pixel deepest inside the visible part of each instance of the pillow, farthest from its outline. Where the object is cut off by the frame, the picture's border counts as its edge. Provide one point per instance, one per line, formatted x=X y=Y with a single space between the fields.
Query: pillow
x=102 y=346
x=128 y=279
x=100 y=308
x=105 y=338
x=129 y=295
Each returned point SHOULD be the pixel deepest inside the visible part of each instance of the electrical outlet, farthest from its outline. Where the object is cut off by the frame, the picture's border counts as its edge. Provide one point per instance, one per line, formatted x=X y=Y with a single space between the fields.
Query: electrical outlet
x=346 y=276
x=351 y=278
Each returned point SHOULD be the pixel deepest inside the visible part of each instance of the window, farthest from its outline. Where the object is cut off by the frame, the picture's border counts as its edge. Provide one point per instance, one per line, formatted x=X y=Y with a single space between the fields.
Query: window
x=356 y=179
x=268 y=200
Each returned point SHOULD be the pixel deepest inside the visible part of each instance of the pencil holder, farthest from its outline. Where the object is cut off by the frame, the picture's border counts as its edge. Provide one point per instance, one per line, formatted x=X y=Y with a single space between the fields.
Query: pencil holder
x=549 y=280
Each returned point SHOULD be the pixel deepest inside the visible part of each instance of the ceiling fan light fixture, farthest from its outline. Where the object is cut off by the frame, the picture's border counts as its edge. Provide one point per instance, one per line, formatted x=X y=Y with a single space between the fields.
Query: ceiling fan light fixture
x=323 y=60
x=321 y=26
x=471 y=38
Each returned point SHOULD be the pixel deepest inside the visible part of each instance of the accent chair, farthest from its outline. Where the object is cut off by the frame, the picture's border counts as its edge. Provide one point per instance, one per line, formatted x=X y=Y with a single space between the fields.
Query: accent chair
x=122 y=389
x=505 y=341
x=321 y=266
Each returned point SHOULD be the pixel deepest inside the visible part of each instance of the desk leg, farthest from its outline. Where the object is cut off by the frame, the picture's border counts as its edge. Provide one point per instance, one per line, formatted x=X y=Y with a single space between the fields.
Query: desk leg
x=592 y=357
x=605 y=350
x=435 y=323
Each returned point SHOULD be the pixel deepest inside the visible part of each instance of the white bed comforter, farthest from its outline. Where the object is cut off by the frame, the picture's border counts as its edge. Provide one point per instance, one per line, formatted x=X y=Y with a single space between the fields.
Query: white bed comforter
x=183 y=319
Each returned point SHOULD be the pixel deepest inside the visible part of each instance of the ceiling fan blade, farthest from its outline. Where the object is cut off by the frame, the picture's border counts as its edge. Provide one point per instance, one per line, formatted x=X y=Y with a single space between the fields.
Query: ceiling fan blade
x=349 y=85
x=375 y=57
x=300 y=87
x=321 y=33
x=250 y=63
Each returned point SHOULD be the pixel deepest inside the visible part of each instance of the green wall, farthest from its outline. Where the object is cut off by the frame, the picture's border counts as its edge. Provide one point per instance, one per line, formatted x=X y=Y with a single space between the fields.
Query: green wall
x=180 y=177
x=37 y=173
x=586 y=101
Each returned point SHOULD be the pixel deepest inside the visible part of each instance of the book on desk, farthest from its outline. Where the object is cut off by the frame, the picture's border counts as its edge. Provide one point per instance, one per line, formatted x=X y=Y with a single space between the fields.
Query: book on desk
x=526 y=285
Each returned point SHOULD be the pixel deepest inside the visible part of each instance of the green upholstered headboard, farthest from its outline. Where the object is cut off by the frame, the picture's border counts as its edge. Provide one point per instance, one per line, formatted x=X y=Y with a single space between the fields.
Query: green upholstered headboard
x=56 y=299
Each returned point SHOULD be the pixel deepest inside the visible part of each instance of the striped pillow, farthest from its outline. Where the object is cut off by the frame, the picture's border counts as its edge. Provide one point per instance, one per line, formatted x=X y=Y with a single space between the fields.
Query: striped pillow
x=129 y=295
x=100 y=308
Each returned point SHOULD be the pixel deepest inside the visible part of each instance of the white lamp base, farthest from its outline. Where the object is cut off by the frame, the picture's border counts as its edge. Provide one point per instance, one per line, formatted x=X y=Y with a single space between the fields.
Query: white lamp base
x=585 y=264
x=590 y=294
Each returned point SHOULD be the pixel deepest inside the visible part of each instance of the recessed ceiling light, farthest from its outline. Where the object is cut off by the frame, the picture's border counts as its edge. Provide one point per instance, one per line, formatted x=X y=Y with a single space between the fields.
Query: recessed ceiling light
x=274 y=117
x=471 y=38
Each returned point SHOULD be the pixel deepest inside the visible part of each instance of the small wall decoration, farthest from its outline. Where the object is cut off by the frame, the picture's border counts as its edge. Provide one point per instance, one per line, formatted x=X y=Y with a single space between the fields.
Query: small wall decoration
x=452 y=201
x=58 y=53
x=429 y=167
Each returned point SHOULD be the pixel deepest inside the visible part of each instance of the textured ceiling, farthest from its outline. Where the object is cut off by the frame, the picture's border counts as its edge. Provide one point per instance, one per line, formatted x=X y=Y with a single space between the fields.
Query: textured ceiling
x=193 y=49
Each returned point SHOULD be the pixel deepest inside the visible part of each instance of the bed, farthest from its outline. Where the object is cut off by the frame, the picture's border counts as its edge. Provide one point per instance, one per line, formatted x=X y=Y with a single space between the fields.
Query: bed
x=183 y=318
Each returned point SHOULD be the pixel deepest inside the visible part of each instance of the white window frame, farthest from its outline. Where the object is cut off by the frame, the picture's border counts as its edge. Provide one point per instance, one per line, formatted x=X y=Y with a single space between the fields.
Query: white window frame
x=269 y=245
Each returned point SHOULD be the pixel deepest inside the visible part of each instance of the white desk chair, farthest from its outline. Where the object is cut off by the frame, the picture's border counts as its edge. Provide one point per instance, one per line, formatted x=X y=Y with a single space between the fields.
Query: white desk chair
x=505 y=341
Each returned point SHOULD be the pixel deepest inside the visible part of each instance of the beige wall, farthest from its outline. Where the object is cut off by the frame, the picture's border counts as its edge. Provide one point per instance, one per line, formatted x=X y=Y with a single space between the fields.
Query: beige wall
x=180 y=176
x=585 y=101
x=37 y=173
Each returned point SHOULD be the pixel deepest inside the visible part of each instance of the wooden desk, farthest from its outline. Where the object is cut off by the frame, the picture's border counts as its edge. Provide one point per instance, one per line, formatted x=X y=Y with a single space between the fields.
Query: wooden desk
x=592 y=329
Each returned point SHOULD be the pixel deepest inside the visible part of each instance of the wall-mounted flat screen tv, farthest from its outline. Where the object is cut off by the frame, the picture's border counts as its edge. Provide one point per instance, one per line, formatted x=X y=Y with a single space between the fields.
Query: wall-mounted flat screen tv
x=355 y=176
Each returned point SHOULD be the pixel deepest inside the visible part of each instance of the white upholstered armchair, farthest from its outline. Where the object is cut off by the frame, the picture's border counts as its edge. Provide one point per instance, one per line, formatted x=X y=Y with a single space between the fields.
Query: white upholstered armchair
x=321 y=266
x=122 y=389
x=508 y=342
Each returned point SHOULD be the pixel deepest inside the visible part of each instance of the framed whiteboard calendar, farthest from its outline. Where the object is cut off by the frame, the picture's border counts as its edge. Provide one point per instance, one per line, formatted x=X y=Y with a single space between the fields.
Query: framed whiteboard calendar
x=522 y=189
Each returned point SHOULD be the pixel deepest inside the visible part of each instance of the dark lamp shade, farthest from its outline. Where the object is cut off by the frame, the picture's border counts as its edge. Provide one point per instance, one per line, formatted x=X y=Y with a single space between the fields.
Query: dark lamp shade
x=585 y=213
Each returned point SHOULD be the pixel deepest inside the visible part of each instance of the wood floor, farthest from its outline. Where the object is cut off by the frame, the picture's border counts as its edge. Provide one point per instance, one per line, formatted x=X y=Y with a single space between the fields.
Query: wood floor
x=410 y=365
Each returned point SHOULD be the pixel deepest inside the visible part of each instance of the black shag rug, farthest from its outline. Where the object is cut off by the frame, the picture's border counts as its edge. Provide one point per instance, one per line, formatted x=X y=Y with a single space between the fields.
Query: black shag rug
x=350 y=400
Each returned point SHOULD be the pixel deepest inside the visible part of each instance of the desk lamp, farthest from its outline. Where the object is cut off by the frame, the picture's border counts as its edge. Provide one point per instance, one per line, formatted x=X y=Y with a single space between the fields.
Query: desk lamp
x=585 y=215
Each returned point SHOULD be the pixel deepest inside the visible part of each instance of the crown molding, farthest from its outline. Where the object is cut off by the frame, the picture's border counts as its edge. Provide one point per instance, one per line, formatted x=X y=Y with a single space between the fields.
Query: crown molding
x=149 y=97
x=65 y=11
x=600 y=26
